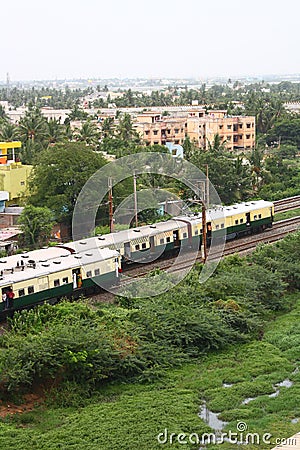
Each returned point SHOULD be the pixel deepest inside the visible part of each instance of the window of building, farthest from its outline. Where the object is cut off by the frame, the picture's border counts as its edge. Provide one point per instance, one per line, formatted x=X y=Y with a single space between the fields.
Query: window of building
x=162 y=241
x=228 y=127
x=168 y=131
x=56 y=283
x=240 y=136
x=241 y=125
x=220 y=127
x=147 y=132
x=247 y=136
x=248 y=125
x=228 y=138
x=21 y=292
x=176 y=141
x=155 y=132
x=30 y=289
x=176 y=130
x=89 y=274
x=22 y=183
x=156 y=142
x=65 y=280
x=97 y=272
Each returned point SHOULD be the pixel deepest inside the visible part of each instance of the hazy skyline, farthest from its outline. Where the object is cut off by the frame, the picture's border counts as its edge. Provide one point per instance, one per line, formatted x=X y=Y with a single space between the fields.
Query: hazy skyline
x=131 y=38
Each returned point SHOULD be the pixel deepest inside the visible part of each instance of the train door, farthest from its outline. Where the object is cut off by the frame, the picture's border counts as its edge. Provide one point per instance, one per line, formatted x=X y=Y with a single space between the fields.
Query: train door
x=248 y=219
x=127 y=252
x=152 y=245
x=5 y=299
x=77 y=278
x=208 y=230
x=176 y=238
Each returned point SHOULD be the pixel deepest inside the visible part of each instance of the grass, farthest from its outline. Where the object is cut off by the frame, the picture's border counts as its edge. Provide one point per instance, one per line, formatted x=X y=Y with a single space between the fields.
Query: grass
x=287 y=214
x=130 y=416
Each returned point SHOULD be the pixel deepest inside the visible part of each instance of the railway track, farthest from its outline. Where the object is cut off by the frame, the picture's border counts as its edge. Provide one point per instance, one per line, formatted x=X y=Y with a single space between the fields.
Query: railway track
x=287 y=204
x=242 y=246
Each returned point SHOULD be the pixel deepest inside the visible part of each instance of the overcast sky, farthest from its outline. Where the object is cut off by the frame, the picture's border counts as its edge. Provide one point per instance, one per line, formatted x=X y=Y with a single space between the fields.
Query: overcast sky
x=154 y=38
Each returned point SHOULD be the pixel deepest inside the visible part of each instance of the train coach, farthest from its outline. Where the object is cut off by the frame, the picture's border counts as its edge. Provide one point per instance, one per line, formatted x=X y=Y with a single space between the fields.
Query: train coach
x=52 y=273
x=79 y=267
x=146 y=242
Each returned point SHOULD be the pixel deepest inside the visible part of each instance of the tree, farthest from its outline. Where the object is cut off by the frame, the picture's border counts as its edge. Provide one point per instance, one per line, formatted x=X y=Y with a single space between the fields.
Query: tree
x=8 y=132
x=54 y=131
x=88 y=133
x=32 y=126
x=36 y=224
x=59 y=174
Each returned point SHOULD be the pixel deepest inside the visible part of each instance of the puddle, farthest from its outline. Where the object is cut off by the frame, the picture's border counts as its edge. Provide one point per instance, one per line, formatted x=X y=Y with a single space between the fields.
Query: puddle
x=248 y=400
x=286 y=383
x=296 y=420
x=227 y=385
x=275 y=394
x=211 y=418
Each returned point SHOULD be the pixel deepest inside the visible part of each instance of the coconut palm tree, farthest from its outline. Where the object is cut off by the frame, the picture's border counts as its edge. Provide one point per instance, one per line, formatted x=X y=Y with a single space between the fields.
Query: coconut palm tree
x=33 y=126
x=88 y=133
x=54 y=131
x=8 y=132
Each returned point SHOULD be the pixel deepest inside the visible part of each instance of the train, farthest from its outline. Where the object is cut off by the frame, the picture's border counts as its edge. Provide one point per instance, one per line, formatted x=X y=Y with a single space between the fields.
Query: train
x=79 y=267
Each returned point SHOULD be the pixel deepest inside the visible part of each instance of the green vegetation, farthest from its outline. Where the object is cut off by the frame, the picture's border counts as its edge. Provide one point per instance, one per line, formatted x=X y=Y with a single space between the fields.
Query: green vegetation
x=36 y=224
x=287 y=214
x=116 y=376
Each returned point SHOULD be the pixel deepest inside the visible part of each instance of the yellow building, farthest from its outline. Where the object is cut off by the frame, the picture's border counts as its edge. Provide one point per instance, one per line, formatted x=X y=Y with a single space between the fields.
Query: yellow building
x=13 y=175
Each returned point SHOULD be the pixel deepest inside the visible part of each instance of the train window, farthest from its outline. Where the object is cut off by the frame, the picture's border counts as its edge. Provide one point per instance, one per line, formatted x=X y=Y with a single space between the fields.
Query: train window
x=21 y=292
x=162 y=241
x=222 y=225
x=30 y=289
x=144 y=245
x=168 y=239
x=255 y=217
x=259 y=216
x=137 y=247
x=65 y=280
x=241 y=220
x=196 y=232
x=217 y=227
x=97 y=272
x=184 y=235
x=89 y=273
x=236 y=222
x=56 y=283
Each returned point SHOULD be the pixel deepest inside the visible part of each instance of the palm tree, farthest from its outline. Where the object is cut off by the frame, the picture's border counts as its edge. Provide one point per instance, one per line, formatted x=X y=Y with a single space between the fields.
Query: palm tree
x=32 y=126
x=108 y=127
x=54 y=131
x=8 y=132
x=88 y=133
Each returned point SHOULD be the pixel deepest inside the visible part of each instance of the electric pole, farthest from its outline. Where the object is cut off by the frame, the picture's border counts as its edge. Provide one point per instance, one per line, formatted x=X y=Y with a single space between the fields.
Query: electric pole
x=135 y=199
x=111 y=208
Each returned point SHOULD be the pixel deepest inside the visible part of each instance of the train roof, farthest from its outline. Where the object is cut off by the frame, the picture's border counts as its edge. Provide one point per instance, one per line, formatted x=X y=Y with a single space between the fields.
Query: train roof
x=43 y=262
x=120 y=237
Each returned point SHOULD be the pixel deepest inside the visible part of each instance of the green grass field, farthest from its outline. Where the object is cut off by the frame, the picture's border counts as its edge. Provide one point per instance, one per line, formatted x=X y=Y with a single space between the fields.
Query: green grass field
x=130 y=416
